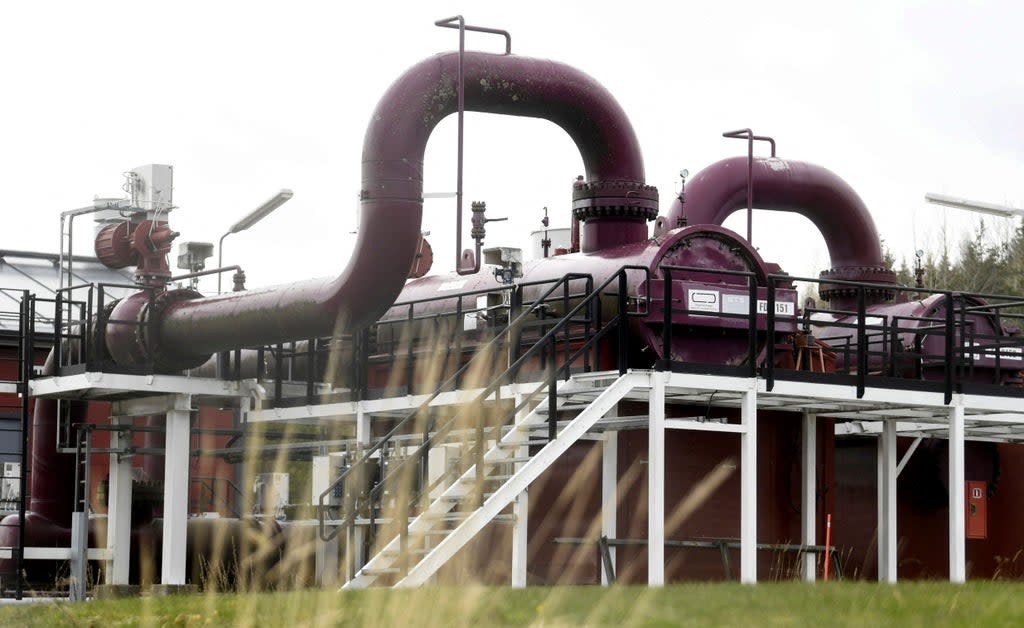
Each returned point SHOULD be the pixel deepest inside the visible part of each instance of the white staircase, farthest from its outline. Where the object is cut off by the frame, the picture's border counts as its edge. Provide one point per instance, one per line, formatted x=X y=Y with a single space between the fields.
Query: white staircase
x=424 y=558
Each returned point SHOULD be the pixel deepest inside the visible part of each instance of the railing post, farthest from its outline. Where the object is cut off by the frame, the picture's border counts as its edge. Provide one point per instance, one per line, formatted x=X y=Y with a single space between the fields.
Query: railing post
x=278 y=373
x=623 y=322
x=310 y=369
x=950 y=362
x=752 y=313
x=894 y=330
x=666 y=329
x=769 y=335
x=552 y=403
x=58 y=325
x=515 y=332
x=862 y=341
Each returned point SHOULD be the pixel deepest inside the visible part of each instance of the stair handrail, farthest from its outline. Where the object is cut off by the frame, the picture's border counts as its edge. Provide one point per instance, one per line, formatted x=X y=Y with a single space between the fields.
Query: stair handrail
x=452 y=379
x=554 y=373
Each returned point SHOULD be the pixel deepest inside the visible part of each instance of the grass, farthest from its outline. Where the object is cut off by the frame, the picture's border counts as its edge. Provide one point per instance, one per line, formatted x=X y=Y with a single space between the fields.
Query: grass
x=784 y=604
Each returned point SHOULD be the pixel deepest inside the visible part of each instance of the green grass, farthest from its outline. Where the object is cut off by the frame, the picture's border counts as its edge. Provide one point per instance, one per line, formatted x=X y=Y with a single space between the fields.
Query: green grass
x=787 y=604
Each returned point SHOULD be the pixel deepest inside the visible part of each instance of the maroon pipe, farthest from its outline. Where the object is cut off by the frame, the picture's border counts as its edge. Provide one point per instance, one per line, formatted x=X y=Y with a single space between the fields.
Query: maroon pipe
x=807 y=189
x=187 y=330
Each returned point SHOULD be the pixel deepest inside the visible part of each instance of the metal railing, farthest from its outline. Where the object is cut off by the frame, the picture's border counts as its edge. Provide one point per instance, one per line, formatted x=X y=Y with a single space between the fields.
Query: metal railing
x=560 y=356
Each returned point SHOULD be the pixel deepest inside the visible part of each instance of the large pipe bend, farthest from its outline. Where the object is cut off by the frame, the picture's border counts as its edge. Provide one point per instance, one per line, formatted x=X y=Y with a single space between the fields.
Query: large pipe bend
x=812 y=191
x=190 y=330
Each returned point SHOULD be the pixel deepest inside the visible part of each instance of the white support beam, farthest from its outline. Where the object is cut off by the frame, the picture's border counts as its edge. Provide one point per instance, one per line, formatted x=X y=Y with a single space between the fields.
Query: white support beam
x=906 y=455
x=656 y=482
x=887 y=502
x=748 y=486
x=521 y=513
x=809 y=495
x=176 y=485
x=354 y=554
x=957 y=516
x=703 y=426
x=609 y=493
x=119 y=508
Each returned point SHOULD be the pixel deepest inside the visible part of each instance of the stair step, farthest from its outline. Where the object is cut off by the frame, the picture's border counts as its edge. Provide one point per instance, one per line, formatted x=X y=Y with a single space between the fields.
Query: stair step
x=487 y=478
x=458 y=517
x=381 y=571
x=458 y=499
x=525 y=443
x=414 y=551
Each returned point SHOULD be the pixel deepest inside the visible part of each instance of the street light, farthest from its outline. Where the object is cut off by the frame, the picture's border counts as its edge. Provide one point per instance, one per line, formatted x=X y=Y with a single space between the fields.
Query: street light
x=975 y=206
x=251 y=219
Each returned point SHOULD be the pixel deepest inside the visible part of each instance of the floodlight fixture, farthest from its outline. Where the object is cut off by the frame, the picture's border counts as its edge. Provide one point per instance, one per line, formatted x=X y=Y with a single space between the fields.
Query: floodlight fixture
x=975 y=206
x=262 y=211
x=251 y=219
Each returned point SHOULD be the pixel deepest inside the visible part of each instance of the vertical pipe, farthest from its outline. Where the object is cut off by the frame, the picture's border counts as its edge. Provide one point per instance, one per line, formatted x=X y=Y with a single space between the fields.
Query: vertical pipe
x=750 y=188
x=748 y=485
x=609 y=497
x=656 y=482
x=172 y=564
x=809 y=495
x=957 y=516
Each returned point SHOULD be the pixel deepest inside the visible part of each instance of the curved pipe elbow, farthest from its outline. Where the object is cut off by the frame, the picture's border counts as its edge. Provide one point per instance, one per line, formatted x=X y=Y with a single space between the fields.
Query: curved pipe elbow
x=855 y=250
x=187 y=331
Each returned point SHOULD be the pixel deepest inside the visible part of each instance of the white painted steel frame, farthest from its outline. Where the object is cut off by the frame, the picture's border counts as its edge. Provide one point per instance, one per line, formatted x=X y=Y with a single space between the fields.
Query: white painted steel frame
x=119 y=507
x=176 y=485
x=656 y=482
x=809 y=494
x=887 y=534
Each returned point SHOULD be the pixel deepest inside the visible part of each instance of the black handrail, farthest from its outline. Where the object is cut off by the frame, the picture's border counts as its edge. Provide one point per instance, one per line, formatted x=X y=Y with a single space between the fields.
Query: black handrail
x=451 y=380
x=551 y=338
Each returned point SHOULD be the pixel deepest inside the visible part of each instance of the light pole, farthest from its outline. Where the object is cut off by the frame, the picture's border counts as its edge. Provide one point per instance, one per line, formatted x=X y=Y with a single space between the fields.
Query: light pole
x=251 y=219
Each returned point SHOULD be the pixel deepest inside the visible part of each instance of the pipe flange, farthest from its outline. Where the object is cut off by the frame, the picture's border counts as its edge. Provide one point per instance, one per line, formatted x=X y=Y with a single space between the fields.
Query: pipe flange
x=606 y=199
x=865 y=274
x=133 y=328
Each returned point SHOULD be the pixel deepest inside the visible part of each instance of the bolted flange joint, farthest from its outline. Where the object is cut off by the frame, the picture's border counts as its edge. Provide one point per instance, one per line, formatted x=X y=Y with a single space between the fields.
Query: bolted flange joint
x=610 y=199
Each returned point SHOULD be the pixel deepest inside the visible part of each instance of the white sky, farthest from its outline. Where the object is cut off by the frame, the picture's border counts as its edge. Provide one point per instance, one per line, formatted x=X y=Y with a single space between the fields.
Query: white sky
x=245 y=98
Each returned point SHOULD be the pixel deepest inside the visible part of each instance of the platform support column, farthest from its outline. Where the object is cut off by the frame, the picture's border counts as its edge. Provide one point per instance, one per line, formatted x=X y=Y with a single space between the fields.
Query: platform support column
x=609 y=492
x=119 y=510
x=656 y=482
x=957 y=523
x=176 y=481
x=887 y=502
x=809 y=495
x=521 y=515
x=354 y=558
x=748 y=486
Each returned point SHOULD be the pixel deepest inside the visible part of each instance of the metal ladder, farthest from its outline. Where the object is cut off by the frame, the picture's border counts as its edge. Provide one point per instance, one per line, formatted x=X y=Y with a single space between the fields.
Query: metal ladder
x=77 y=582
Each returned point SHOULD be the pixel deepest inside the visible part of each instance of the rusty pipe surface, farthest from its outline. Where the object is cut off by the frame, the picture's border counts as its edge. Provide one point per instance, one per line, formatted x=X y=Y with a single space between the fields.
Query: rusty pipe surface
x=812 y=191
x=392 y=201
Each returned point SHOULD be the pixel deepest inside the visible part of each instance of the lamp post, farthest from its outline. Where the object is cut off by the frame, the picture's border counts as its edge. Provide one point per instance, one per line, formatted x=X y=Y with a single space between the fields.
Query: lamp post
x=250 y=219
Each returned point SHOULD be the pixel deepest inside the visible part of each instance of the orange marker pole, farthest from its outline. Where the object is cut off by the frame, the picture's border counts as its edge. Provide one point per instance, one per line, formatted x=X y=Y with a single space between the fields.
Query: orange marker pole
x=828 y=542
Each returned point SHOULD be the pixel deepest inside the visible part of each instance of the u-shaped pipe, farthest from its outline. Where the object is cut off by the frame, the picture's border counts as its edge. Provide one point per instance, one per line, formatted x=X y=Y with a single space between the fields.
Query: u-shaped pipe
x=817 y=193
x=183 y=330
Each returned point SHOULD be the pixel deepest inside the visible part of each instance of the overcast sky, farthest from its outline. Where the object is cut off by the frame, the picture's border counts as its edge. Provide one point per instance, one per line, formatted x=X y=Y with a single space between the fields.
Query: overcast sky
x=246 y=98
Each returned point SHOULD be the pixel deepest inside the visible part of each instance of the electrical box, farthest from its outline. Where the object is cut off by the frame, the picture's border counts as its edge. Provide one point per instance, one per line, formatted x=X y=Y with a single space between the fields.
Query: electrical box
x=977 y=509
x=152 y=187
